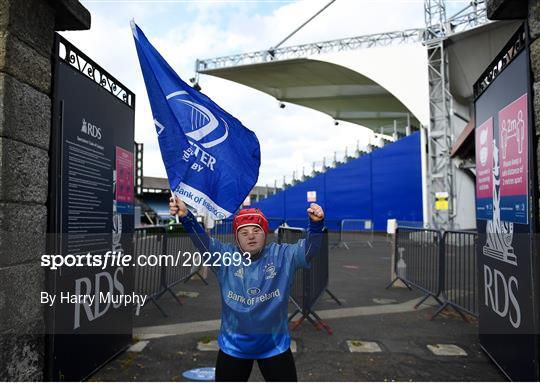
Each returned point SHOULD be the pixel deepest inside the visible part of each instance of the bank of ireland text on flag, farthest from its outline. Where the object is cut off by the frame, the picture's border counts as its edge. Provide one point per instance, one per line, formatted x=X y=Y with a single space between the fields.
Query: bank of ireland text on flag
x=212 y=160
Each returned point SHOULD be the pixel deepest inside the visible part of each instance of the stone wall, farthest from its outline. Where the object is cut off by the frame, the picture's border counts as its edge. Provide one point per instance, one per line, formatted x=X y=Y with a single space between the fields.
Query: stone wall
x=26 y=42
x=533 y=19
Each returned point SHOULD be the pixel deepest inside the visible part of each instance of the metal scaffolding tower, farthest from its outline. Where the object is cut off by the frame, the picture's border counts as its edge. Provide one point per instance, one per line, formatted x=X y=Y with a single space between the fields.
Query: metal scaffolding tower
x=439 y=134
x=440 y=171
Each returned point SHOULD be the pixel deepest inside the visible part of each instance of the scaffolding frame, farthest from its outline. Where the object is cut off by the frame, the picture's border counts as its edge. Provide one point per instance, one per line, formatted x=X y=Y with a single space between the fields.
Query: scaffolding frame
x=440 y=172
x=407 y=36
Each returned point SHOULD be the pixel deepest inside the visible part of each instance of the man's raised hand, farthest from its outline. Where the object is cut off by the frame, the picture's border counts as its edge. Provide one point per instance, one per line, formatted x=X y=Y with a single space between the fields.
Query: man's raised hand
x=315 y=212
x=177 y=207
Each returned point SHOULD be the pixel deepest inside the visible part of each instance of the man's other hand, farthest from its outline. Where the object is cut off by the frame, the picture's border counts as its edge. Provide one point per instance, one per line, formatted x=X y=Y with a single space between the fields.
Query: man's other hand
x=315 y=212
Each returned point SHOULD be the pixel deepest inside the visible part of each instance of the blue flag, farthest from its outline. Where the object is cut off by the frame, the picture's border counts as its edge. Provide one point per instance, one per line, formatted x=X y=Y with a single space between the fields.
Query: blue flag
x=212 y=160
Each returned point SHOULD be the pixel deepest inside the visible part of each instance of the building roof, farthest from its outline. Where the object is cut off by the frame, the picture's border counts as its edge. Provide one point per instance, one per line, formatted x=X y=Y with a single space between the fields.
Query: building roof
x=335 y=90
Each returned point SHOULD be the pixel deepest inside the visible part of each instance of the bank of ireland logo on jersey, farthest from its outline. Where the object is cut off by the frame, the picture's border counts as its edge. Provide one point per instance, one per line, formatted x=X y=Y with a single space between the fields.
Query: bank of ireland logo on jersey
x=269 y=271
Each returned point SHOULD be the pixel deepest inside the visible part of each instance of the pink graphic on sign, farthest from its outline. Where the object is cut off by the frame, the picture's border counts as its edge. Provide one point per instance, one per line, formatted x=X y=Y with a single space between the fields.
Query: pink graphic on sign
x=124 y=175
x=484 y=159
x=513 y=147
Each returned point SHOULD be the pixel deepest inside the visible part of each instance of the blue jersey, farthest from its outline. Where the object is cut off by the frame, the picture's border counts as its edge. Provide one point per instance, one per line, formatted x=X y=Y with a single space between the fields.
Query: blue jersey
x=255 y=297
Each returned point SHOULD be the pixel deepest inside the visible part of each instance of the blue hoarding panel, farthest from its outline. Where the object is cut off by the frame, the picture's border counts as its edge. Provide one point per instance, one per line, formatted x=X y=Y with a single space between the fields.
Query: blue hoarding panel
x=348 y=192
x=384 y=184
x=273 y=208
x=296 y=202
x=397 y=182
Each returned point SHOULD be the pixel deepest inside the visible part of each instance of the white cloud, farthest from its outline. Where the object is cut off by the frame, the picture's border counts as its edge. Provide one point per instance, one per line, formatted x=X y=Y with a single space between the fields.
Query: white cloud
x=184 y=31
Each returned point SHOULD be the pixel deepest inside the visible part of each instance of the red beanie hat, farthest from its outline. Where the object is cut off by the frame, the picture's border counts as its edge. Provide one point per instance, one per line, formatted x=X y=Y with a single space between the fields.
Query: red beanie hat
x=247 y=217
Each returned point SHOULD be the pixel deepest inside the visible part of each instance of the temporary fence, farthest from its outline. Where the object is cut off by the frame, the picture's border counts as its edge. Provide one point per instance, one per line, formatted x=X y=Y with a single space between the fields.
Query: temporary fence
x=177 y=241
x=148 y=279
x=356 y=231
x=223 y=231
x=410 y=224
x=297 y=222
x=417 y=260
x=440 y=264
x=308 y=284
x=156 y=280
x=332 y=225
x=460 y=287
x=274 y=223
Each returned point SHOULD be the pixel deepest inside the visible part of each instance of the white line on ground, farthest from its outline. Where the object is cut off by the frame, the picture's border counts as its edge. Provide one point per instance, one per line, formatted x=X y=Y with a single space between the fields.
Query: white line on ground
x=153 y=332
x=368 y=310
x=139 y=346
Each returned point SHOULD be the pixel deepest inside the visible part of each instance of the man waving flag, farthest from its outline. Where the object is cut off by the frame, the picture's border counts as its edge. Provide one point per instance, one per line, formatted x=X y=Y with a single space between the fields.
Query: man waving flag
x=212 y=160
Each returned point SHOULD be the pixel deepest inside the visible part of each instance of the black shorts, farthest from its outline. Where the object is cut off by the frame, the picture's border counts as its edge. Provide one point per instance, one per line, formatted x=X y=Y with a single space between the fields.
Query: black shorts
x=278 y=368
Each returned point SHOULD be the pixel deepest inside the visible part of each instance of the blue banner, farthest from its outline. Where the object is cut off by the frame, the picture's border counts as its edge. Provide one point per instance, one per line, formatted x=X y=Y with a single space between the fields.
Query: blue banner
x=212 y=160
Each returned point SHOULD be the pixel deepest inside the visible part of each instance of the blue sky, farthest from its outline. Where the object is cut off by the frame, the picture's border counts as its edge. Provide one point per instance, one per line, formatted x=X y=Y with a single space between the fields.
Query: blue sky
x=184 y=31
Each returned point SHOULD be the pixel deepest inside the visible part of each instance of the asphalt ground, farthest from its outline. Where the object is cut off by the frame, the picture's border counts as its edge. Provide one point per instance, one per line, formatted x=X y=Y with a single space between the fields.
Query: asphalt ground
x=369 y=313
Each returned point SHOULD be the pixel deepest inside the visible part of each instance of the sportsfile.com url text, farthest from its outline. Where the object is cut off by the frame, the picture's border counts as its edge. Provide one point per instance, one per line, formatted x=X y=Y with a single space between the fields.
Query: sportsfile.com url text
x=113 y=259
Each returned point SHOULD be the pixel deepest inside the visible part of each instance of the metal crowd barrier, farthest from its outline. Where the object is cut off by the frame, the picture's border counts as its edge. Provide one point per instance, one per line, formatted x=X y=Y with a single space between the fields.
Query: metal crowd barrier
x=308 y=284
x=179 y=242
x=418 y=260
x=440 y=264
x=356 y=231
x=410 y=224
x=222 y=231
x=273 y=228
x=155 y=281
x=148 y=279
x=292 y=235
x=460 y=288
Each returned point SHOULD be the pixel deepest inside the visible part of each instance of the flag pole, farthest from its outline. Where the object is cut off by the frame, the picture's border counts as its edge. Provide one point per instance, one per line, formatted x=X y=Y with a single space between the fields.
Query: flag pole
x=176 y=215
